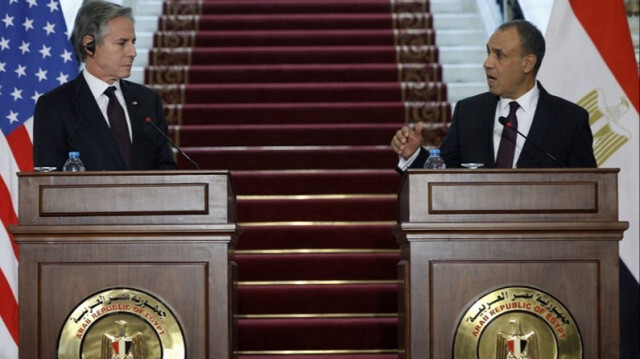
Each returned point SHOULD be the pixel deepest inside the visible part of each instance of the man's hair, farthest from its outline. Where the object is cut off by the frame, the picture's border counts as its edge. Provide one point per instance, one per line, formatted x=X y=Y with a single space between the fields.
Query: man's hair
x=92 y=19
x=531 y=40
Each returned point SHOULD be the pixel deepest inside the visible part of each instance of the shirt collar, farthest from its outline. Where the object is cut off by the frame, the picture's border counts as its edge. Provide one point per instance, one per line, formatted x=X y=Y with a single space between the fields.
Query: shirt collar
x=527 y=102
x=98 y=86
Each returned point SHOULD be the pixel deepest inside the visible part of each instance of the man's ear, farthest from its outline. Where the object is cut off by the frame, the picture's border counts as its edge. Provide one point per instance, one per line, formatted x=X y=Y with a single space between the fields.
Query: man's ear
x=530 y=62
x=89 y=44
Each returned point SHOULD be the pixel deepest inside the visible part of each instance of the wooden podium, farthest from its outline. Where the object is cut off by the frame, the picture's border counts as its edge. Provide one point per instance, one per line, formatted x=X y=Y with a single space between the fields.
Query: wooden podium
x=166 y=233
x=466 y=233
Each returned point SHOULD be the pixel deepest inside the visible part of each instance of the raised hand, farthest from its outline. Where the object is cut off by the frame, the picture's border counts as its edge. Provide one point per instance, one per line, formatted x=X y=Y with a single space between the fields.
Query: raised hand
x=407 y=140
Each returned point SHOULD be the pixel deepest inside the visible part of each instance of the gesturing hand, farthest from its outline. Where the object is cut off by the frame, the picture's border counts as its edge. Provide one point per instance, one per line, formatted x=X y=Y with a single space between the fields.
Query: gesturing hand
x=407 y=140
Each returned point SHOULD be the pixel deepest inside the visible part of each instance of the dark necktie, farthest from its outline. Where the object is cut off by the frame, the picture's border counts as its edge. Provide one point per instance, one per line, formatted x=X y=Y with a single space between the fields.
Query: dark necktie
x=508 y=140
x=118 y=124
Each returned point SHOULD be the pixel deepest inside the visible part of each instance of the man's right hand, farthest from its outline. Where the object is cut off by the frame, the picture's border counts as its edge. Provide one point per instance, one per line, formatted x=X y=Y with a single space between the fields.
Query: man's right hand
x=407 y=141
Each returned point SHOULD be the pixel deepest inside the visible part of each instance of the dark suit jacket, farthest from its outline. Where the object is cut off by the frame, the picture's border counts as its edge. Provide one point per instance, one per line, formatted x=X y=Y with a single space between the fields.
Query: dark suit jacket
x=559 y=127
x=68 y=119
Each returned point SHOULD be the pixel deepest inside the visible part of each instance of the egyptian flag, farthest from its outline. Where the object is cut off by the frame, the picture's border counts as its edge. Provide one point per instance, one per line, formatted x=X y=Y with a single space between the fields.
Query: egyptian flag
x=590 y=60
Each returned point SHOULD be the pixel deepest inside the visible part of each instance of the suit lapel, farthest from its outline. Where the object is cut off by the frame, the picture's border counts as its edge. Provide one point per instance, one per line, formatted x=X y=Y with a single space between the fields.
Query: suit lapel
x=136 y=117
x=488 y=122
x=541 y=124
x=89 y=111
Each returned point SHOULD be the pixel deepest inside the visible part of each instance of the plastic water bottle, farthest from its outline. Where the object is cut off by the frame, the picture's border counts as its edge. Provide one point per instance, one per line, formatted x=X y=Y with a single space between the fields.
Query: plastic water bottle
x=73 y=164
x=434 y=162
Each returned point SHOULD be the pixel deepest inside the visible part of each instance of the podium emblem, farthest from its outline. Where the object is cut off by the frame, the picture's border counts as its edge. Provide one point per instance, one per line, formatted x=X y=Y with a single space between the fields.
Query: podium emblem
x=121 y=323
x=517 y=323
x=121 y=346
x=516 y=345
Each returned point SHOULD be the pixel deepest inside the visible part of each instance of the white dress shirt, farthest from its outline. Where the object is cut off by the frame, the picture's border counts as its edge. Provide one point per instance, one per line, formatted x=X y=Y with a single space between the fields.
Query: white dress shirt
x=524 y=114
x=97 y=88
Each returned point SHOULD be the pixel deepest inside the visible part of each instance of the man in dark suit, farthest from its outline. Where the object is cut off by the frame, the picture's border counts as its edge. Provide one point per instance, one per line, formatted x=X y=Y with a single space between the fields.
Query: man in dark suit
x=98 y=114
x=558 y=131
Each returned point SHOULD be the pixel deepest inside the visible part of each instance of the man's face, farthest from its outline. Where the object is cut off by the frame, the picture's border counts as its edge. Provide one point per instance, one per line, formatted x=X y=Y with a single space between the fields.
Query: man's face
x=508 y=73
x=113 y=58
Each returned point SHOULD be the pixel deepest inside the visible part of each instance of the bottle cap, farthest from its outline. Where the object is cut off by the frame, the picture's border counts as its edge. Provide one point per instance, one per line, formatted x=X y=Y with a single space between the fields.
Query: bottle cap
x=434 y=151
x=74 y=154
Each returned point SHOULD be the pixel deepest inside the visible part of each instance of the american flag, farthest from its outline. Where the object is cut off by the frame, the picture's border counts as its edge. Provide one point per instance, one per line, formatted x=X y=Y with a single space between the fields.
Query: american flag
x=35 y=56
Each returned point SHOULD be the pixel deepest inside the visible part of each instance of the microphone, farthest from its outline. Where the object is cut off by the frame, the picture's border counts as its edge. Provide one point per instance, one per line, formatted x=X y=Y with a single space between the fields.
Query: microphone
x=507 y=124
x=148 y=120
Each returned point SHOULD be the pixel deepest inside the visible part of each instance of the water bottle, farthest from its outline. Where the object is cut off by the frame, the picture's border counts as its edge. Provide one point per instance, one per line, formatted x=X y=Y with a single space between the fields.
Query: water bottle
x=73 y=164
x=434 y=162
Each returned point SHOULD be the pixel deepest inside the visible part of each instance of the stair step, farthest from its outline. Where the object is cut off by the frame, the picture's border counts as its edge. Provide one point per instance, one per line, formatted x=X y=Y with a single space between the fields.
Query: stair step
x=462 y=90
x=281 y=6
x=314 y=267
x=347 y=298
x=284 y=135
x=369 y=354
x=451 y=6
x=286 y=158
x=320 y=334
x=301 y=92
x=302 y=37
x=383 y=181
x=285 y=55
x=454 y=74
x=349 y=235
x=285 y=21
x=450 y=21
x=289 y=73
x=303 y=112
x=461 y=37
x=146 y=23
x=462 y=55
x=320 y=208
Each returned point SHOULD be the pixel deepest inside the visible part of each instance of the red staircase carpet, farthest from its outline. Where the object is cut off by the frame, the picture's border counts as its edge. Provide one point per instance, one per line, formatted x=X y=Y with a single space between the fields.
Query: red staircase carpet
x=299 y=99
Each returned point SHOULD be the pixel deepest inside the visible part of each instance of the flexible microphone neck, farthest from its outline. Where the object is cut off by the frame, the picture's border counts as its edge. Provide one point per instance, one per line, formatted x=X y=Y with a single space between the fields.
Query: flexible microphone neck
x=148 y=120
x=507 y=124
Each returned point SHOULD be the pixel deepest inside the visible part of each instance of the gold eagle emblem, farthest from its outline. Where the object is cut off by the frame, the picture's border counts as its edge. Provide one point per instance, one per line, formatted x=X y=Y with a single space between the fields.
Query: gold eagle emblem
x=121 y=346
x=608 y=134
x=516 y=345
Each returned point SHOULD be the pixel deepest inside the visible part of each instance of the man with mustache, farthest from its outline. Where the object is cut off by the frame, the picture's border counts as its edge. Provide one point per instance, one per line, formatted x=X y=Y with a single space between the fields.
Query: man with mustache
x=98 y=113
x=558 y=130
